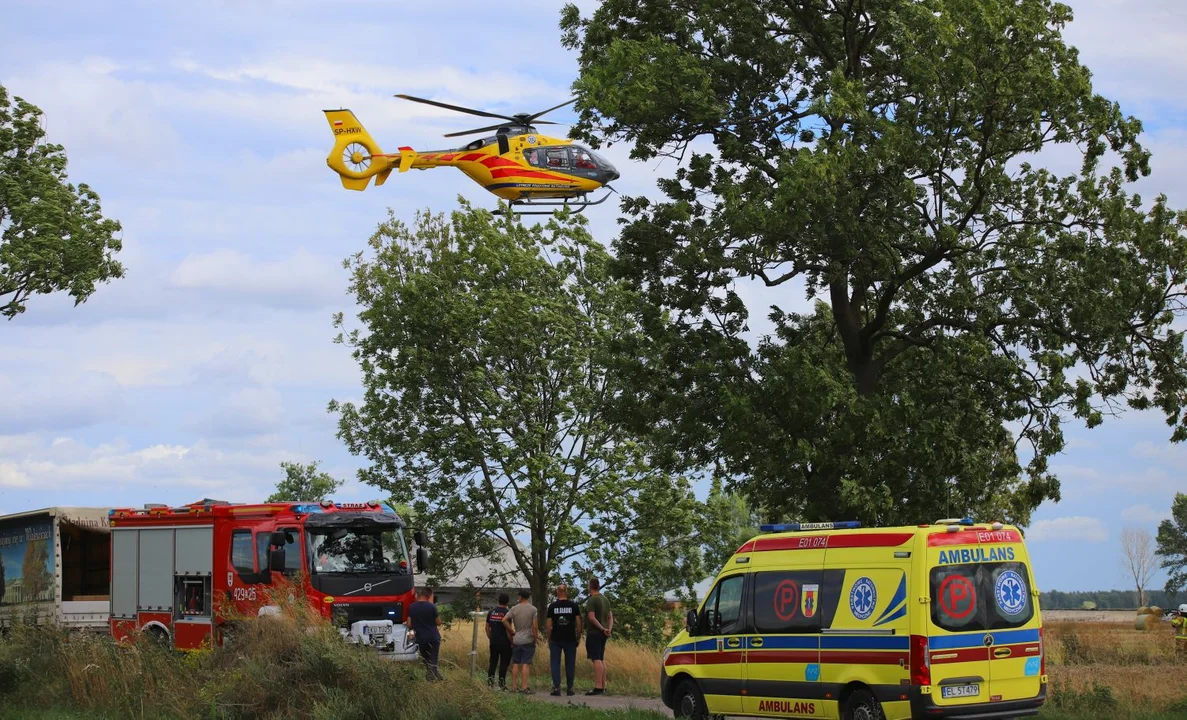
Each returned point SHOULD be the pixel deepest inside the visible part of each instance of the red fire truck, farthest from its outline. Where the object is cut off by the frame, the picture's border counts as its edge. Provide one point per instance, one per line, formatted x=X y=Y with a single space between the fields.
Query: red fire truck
x=189 y=574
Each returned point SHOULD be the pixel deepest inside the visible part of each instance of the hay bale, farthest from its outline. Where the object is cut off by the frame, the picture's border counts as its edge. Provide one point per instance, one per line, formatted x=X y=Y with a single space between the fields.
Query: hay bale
x=1155 y=611
x=1141 y=622
x=1143 y=610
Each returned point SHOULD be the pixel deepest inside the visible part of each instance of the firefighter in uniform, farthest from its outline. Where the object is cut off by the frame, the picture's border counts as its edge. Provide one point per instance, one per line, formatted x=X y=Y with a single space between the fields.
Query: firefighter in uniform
x=1179 y=623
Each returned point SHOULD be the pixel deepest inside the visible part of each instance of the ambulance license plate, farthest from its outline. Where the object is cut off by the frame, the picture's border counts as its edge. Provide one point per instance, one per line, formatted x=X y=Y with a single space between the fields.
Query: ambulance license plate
x=377 y=631
x=960 y=691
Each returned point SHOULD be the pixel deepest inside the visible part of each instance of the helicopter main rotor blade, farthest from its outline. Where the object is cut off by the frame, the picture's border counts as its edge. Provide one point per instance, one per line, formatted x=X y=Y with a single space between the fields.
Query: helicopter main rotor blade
x=447 y=106
x=475 y=130
x=495 y=127
x=555 y=107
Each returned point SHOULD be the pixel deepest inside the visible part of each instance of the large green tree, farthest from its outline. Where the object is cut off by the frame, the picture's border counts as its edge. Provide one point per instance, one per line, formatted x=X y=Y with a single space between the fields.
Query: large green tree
x=303 y=482
x=482 y=347
x=881 y=157
x=1172 y=545
x=53 y=235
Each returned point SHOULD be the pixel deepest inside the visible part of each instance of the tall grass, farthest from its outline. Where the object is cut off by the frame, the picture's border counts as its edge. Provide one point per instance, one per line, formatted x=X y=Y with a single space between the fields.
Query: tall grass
x=295 y=665
x=1104 y=669
x=631 y=669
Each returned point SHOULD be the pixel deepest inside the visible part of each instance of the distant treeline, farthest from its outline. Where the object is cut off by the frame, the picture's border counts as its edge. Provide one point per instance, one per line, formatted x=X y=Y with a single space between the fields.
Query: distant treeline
x=1107 y=599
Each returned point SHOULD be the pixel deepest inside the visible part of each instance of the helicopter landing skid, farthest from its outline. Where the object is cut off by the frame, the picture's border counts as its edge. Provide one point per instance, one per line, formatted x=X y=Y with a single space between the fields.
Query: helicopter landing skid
x=564 y=203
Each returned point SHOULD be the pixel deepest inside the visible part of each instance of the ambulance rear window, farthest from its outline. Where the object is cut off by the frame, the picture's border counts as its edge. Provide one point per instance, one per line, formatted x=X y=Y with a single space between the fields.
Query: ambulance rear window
x=981 y=596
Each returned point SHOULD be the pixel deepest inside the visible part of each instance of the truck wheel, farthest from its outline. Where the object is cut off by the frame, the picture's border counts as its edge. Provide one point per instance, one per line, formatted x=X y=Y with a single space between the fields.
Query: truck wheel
x=158 y=636
x=688 y=703
x=862 y=705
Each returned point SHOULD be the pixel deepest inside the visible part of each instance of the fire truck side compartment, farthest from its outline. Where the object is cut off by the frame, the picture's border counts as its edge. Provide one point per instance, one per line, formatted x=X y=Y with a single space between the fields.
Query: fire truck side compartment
x=156 y=569
x=124 y=576
x=195 y=550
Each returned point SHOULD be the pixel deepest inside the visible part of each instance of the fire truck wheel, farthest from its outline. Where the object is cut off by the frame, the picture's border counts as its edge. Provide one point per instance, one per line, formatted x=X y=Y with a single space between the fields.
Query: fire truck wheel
x=158 y=635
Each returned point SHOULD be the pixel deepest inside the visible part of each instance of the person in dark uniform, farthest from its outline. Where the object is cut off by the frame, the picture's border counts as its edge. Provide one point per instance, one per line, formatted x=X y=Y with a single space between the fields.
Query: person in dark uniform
x=423 y=619
x=563 y=618
x=500 y=643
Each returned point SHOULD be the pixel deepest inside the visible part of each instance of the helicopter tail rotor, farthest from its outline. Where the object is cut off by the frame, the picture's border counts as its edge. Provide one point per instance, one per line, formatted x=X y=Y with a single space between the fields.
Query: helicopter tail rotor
x=356 y=156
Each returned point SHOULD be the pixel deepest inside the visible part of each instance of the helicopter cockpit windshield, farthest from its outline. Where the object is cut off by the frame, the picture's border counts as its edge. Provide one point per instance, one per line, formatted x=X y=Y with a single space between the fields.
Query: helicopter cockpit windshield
x=572 y=159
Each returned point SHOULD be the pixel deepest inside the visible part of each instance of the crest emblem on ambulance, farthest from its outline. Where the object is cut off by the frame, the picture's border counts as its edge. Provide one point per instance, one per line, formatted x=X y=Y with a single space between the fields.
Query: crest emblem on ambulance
x=809 y=600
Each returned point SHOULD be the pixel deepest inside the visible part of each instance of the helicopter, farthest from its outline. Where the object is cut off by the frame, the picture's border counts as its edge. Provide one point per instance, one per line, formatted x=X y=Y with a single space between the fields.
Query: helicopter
x=516 y=163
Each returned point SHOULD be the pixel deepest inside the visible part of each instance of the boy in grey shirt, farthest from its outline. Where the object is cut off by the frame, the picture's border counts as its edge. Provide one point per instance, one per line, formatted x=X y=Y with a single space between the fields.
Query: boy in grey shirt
x=521 y=619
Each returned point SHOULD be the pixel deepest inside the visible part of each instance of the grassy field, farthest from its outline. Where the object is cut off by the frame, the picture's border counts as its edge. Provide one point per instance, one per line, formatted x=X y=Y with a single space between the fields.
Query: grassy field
x=284 y=668
x=1107 y=669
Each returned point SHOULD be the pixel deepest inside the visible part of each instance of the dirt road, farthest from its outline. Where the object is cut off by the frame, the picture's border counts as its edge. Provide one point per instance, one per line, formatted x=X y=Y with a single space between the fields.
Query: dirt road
x=605 y=702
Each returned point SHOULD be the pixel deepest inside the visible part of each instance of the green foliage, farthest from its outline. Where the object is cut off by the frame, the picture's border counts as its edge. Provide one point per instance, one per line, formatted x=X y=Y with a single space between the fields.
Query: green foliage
x=53 y=235
x=1172 y=545
x=486 y=396
x=879 y=157
x=303 y=483
x=730 y=520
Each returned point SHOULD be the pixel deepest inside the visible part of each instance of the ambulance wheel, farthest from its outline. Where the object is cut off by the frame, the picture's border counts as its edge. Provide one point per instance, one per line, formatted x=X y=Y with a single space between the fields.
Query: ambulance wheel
x=688 y=703
x=862 y=705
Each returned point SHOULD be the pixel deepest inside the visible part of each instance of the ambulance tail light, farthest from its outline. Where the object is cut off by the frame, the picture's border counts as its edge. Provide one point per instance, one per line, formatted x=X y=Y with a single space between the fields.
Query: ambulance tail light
x=920 y=662
x=1042 y=654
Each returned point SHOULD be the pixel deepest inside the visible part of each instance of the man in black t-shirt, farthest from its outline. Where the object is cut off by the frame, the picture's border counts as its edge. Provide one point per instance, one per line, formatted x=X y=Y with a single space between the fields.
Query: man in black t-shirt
x=423 y=620
x=564 y=627
x=500 y=643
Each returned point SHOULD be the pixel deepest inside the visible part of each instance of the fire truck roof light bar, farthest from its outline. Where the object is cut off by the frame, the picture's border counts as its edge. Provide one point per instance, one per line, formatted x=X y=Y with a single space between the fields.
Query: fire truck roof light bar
x=804 y=527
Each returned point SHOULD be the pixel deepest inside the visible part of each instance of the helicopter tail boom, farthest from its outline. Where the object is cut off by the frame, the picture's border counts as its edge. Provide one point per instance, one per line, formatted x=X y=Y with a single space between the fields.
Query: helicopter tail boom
x=356 y=157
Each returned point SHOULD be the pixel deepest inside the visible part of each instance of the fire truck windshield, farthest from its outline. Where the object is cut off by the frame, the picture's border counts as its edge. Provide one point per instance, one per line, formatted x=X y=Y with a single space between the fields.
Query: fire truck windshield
x=357 y=550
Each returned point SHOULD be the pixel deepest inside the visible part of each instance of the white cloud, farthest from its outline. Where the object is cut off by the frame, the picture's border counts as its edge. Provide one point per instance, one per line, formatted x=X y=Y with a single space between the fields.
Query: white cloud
x=244 y=413
x=12 y=476
x=1144 y=514
x=301 y=279
x=1076 y=527
x=178 y=471
x=72 y=399
x=1133 y=48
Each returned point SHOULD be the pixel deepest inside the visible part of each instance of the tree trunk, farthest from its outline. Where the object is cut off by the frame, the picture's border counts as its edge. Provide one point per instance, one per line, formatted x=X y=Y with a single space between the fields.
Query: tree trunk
x=859 y=352
x=540 y=593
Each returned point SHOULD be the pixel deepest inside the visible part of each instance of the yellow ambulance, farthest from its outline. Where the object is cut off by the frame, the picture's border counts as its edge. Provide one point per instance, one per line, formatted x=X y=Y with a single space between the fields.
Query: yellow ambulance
x=831 y=620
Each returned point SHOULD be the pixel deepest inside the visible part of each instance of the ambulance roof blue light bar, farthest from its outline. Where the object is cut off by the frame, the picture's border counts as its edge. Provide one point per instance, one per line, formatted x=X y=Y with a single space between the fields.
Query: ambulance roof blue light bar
x=801 y=527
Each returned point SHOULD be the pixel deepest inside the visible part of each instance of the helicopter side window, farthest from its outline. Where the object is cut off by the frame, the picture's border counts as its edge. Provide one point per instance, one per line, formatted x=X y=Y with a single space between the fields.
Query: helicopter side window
x=532 y=155
x=558 y=157
x=583 y=161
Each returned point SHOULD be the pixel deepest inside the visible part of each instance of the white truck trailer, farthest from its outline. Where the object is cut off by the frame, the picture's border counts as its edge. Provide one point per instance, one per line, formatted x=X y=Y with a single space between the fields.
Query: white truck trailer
x=55 y=566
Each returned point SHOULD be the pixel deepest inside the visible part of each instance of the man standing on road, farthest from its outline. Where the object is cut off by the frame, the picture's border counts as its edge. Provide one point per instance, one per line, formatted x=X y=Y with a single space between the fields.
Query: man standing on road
x=522 y=621
x=423 y=619
x=601 y=622
x=500 y=643
x=564 y=627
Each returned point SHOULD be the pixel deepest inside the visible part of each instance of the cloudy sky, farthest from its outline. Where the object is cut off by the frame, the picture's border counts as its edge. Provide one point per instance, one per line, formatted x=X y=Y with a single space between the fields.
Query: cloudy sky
x=200 y=126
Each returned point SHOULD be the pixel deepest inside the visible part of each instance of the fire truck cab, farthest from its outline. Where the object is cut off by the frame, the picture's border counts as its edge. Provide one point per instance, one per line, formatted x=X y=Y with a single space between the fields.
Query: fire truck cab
x=189 y=574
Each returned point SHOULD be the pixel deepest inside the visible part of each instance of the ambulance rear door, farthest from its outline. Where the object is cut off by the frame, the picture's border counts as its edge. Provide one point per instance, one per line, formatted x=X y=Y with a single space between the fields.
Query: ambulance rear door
x=984 y=644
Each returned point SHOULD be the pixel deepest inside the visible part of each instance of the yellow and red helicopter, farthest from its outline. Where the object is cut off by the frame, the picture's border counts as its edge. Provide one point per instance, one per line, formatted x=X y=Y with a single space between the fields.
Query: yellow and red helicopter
x=516 y=163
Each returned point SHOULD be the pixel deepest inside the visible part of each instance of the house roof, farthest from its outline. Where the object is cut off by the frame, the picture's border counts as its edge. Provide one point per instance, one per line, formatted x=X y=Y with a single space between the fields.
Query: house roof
x=482 y=572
